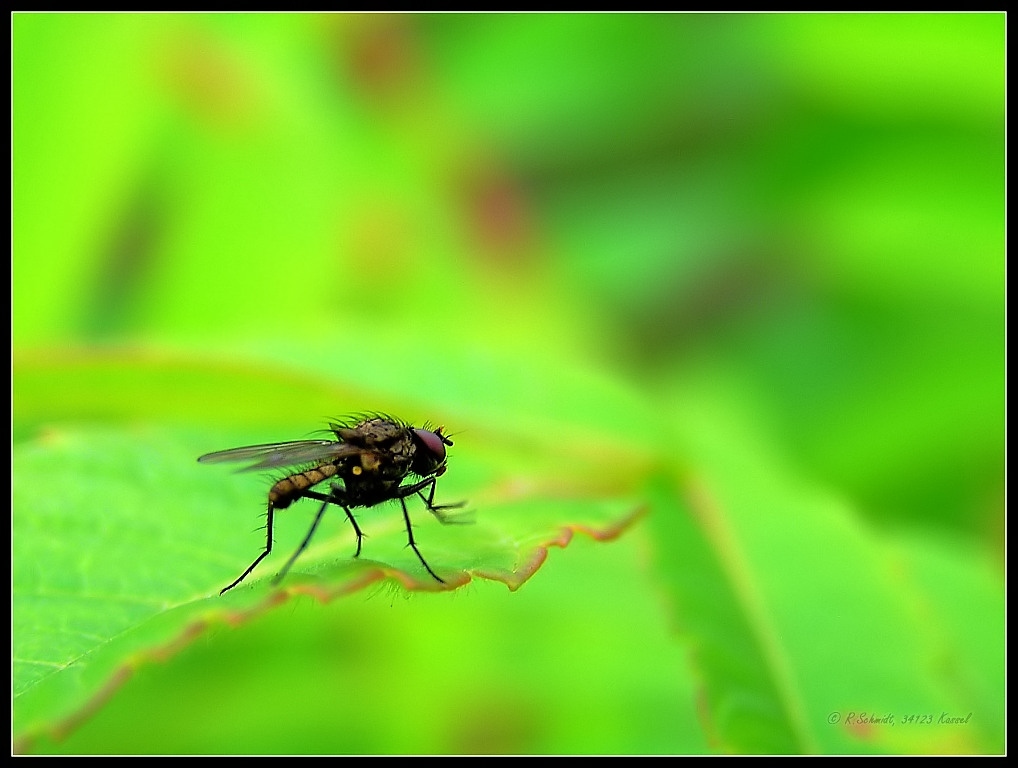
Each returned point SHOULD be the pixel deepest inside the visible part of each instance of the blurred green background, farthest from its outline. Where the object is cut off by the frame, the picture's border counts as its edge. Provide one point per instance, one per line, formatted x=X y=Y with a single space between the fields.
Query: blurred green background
x=752 y=264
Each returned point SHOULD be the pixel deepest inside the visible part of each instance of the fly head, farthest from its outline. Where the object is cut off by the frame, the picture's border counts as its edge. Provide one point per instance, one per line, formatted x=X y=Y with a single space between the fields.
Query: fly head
x=429 y=456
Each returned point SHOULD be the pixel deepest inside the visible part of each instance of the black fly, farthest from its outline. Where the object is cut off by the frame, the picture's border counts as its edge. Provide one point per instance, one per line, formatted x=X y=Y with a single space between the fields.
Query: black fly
x=369 y=459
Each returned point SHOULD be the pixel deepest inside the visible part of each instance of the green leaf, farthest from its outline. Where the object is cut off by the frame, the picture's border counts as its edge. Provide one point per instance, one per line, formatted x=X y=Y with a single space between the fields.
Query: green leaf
x=123 y=541
x=806 y=624
x=790 y=609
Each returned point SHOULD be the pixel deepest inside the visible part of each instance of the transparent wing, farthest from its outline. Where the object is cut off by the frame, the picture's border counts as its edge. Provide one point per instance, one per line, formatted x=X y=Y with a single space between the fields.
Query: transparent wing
x=274 y=455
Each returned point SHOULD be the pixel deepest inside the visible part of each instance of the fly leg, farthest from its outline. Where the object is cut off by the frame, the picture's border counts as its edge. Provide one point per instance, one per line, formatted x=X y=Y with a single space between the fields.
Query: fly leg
x=268 y=548
x=303 y=545
x=438 y=510
x=413 y=544
x=336 y=497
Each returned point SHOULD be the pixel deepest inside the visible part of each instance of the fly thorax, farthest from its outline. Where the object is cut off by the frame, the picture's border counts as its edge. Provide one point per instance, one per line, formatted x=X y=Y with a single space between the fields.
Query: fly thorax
x=370 y=462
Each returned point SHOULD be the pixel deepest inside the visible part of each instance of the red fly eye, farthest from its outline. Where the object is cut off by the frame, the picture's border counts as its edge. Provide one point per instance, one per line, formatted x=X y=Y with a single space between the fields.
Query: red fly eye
x=433 y=442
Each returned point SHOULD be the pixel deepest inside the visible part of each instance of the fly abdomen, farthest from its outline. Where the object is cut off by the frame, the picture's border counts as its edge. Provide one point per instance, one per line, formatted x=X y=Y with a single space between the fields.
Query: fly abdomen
x=289 y=489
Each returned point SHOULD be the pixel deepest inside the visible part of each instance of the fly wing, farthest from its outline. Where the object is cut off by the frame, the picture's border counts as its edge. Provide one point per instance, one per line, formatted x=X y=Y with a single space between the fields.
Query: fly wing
x=275 y=455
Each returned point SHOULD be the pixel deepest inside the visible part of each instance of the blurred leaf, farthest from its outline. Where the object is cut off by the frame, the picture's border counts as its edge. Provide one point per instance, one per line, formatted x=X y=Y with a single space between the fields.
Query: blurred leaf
x=796 y=612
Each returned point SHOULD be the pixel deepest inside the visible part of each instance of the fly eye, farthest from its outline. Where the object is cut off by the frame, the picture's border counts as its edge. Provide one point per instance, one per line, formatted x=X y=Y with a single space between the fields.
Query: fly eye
x=433 y=442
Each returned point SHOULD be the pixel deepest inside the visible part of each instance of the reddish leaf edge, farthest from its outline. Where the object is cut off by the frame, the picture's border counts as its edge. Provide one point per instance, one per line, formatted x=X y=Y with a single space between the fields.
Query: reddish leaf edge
x=561 y=537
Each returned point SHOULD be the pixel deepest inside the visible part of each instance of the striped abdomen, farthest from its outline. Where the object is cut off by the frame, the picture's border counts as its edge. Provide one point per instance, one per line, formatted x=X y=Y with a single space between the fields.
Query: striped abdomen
x=289 y=489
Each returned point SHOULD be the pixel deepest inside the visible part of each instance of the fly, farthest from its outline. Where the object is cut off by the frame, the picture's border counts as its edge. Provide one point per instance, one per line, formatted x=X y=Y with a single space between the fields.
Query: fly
x=367 y=464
